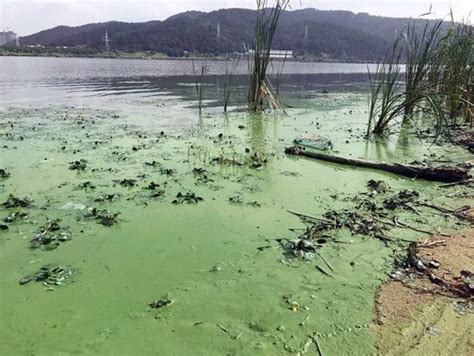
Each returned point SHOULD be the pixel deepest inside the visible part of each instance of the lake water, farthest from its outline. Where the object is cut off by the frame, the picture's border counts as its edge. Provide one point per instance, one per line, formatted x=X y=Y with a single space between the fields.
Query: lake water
x=233 y=289
x=63 y=70
x=23 y=78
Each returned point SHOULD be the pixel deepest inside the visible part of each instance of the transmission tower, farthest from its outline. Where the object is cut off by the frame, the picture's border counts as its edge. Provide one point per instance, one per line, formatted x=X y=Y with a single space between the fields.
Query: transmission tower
x=107 y=41
x=306 y=34
x=218 y=30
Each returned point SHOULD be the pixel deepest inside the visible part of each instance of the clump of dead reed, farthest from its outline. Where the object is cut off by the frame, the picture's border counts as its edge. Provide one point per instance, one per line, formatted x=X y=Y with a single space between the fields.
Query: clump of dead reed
x=200 y=73
x=230 y=71
x=261 y=93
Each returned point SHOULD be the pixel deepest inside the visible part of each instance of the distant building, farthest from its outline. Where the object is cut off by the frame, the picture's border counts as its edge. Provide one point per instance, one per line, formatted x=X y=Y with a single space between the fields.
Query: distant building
x=7 y=37
x=275 y=54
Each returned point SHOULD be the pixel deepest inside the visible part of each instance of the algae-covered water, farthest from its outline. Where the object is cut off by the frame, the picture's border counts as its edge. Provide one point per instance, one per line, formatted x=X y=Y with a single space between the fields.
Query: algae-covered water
x=233 y=290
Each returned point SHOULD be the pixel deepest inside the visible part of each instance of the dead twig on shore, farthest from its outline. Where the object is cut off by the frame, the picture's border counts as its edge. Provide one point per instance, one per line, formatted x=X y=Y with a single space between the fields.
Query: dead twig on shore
x=460 y=287
x=369 y=217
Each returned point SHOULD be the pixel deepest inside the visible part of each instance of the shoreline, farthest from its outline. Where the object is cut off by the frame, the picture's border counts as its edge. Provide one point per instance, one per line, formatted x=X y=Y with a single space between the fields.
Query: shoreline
x=167 y=58
x=417 y=315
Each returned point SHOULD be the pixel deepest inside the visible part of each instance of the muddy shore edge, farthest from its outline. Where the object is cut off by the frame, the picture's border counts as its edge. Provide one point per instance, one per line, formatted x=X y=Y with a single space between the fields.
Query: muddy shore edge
x=417 y=318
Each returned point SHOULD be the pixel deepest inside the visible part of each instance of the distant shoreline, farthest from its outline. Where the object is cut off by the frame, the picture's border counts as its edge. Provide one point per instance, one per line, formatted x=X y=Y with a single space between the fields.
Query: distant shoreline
x=45 y=53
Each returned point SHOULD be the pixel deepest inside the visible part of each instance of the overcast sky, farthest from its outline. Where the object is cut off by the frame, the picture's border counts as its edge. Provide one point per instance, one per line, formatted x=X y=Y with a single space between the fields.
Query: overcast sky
x=29 y=16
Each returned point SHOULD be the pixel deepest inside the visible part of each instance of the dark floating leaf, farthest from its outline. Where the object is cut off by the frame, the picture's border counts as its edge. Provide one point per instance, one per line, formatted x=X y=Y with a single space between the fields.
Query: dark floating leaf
x=79 y=165
x=103 y=217
x=49 y=236
x=4 y=173
x=50 y=275
x=16 y=202
x=188 y=198
x=163 y=302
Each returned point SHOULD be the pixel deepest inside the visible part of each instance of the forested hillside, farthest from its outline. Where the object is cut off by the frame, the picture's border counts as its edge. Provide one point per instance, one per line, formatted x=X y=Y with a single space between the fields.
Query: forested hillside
x=330 y=35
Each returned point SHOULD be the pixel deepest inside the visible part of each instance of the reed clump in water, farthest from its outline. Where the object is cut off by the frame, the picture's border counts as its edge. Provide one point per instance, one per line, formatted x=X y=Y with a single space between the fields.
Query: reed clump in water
x=385 y=92
x=200 y=73
x=456 y=81
x=261 y=93
x=438 y=80
x=422 y=65
x=230 y=71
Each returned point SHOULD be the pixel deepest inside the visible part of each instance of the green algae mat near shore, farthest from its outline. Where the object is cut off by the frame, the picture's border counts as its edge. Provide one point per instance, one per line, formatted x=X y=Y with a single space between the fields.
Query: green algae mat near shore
x=216 y=258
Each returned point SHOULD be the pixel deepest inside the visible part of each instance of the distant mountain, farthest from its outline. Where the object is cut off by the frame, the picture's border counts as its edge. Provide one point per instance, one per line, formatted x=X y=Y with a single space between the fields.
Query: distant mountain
x=331 y=35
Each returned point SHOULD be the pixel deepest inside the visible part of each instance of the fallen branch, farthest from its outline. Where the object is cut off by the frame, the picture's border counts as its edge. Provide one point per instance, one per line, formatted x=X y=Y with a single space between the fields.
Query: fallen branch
x=323 y=271
x=460 y=213
x=440 y=174
x=397 y=223
x=326 y=262
x=318 y=347
x=427 y=244
x=449 y=185
x=303 y=216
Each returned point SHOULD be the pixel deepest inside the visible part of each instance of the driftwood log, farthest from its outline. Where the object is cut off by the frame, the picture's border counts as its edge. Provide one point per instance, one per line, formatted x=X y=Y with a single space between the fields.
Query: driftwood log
x=439 y=174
